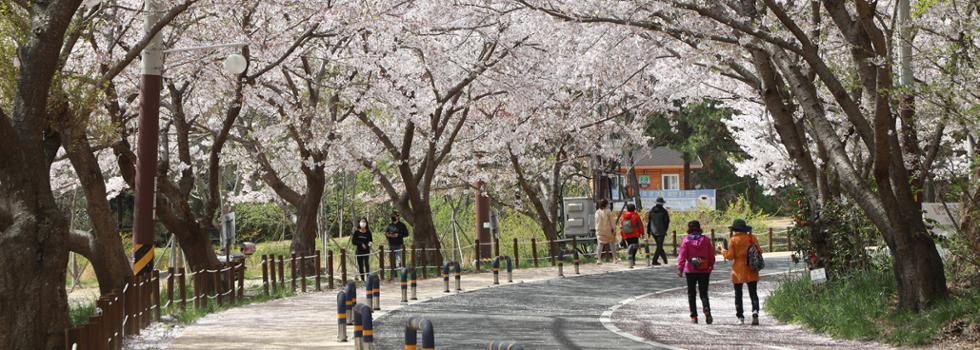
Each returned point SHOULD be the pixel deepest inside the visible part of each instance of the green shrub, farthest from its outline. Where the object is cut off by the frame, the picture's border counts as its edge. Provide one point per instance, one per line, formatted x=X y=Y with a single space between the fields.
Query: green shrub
x=260 y=222
x=858 y=306
x=720 y=220
x=848 y=231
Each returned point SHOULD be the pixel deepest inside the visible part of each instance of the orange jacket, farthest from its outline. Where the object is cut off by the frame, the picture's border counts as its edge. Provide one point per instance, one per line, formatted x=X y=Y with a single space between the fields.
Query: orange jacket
x=738 y=251
x=637 y=225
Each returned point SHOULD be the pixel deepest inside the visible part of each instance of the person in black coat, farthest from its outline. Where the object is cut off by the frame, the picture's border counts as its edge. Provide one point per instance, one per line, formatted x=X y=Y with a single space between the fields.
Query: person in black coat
x=658 y=220
x=396 y=233
x=361 y=238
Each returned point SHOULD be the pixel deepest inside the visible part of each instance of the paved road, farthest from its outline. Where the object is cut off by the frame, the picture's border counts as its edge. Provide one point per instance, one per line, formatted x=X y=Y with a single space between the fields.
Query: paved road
x=553 y=314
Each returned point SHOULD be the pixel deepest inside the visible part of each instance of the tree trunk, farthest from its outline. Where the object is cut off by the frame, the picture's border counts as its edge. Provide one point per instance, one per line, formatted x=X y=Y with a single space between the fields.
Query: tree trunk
x=424 y=229
x=106 y=252
x=918 y=270
x=33 y=230
x=304 y=240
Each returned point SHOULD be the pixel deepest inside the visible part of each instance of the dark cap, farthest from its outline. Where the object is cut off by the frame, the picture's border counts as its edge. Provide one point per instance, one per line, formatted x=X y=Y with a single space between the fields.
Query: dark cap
x=694 y=226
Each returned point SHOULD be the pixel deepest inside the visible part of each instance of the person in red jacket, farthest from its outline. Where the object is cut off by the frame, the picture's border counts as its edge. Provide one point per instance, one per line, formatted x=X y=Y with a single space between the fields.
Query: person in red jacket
x=631 y=229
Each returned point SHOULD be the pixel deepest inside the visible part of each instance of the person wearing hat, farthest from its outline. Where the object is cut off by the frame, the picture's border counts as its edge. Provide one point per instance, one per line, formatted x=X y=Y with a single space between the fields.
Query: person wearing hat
x=695 y=260
x=658 y=220
x=738 y=251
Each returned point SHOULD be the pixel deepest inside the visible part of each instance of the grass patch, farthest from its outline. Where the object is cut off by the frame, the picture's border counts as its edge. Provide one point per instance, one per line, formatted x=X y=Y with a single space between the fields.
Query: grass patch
x=79 y=312
x=861 y=307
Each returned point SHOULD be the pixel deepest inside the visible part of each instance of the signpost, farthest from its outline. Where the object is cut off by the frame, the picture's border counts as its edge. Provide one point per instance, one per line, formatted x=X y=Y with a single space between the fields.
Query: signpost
x=818 y=276
x=228 y=234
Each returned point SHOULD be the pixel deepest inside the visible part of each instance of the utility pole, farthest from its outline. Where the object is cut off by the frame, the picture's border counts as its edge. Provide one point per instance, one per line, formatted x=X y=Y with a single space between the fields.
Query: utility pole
x=151 y=82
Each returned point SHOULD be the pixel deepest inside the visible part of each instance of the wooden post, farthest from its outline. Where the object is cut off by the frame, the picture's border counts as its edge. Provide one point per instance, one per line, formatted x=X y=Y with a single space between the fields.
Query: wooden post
x=330 y=269
x=272 y=273
x=216 y=287
x=478 y=257
x=155 y=293
x=534 y=251
x=552 y=248
x=282 y=272
x=789 y=241
x=73 y=336
x=292 y=271
x=230 y=276
x=103 y=304
x=575 y=246
x=403 y=255
x=381 y=262
x=413 y=255
x=391 y=258
x=302 y=272
x=265 y=275
x=97 y=332
x=196 y=286
x=241 y=281
x=343 y=266
x=517 y=256
x=425 y=266
x=675 y=243
x=712 y=236
x=137 y=304
x=319 y=271
x=770 y=240
x=182 y=285
x=170 y=285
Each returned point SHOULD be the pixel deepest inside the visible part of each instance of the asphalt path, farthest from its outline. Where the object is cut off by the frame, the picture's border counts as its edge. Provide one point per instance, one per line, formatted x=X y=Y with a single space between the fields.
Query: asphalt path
x=553 y=314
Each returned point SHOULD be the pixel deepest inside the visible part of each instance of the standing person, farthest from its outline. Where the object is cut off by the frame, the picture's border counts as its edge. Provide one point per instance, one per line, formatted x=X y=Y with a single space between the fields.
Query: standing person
x=396 y=233
x=658 y=221
x=696 y=259
x=738 y=251
x=361 y=238
x=631 y=229
x=605 y=232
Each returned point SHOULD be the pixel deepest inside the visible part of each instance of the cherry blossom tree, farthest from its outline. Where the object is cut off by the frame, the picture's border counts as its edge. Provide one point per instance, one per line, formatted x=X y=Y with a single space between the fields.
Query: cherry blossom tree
x=836 y=136
x=423 y=65
x=34 y=230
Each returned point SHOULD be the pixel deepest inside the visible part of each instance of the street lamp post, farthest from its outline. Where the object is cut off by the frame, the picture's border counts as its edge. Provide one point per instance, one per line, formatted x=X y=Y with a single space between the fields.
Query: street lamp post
x=151 y=84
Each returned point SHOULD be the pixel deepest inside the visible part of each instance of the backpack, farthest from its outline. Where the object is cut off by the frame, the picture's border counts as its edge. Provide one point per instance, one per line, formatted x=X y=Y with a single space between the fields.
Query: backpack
x=627 y=226
x=756 y=262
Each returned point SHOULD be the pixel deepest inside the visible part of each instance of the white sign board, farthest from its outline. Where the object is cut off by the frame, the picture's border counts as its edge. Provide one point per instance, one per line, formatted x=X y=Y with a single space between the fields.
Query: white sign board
x=818 y=276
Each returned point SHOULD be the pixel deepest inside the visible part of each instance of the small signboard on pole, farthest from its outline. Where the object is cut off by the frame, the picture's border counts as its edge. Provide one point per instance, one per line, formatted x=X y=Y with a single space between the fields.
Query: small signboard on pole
x=818 y=276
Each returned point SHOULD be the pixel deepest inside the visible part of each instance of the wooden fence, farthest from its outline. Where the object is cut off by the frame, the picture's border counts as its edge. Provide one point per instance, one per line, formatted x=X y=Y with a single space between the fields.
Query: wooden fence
x=127 y=311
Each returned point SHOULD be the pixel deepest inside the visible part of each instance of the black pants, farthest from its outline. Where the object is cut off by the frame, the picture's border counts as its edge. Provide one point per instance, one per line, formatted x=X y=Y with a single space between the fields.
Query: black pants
x=635 y=242
x=753 y=294
x=660 y=249
x=363 y=264
x=697 y=283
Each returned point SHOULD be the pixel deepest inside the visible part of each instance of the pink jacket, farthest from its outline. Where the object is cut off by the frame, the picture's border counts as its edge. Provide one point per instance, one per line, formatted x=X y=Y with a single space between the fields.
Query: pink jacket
x=698 y=247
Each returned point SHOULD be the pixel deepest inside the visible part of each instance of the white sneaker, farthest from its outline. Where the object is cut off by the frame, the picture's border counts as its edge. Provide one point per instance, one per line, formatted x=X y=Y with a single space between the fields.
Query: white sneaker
x=741 y=320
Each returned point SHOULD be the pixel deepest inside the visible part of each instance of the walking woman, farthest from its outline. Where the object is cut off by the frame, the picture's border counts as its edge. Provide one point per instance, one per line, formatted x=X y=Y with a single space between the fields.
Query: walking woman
x=361 y=238
x=605 y=232
x=738 y=251
x=696 y=259
x=631 y=229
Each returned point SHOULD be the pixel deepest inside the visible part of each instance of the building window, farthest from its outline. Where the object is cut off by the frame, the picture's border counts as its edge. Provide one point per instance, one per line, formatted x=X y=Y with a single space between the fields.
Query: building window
x=671 y=182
